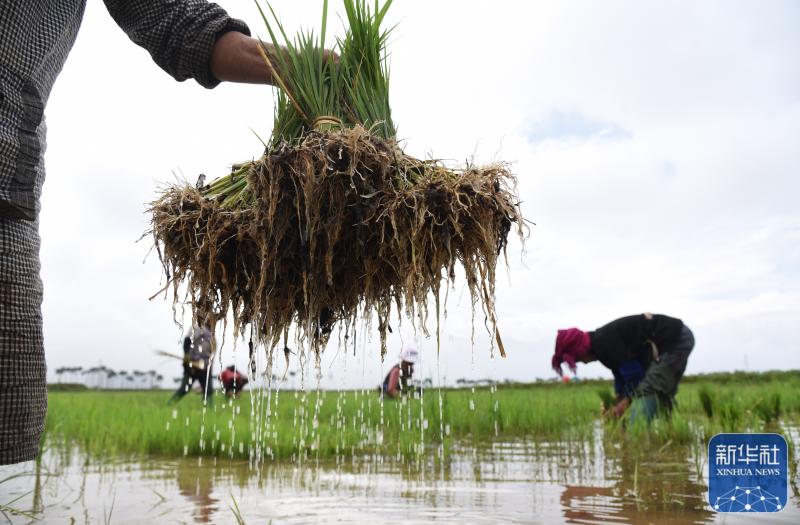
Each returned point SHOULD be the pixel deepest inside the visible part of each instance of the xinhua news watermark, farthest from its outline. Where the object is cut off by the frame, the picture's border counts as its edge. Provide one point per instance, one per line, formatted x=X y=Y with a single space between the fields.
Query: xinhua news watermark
x=748 y=472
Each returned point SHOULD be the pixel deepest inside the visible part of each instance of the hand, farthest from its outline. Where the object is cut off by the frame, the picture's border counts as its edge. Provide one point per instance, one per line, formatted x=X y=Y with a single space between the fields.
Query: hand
x=330 y=55
x=620 y=408
x=239 y=58
x=607 y=411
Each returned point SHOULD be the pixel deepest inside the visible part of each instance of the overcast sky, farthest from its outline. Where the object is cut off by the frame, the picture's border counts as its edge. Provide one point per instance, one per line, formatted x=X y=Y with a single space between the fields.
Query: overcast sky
x=656 y=146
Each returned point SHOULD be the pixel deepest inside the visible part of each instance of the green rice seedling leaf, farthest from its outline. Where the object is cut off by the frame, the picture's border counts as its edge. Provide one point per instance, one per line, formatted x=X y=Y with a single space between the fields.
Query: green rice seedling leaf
x=237 y=513
x=606 y=398
x=706 y=401
x=304 y=75
x=768 y=409
x=364 y=64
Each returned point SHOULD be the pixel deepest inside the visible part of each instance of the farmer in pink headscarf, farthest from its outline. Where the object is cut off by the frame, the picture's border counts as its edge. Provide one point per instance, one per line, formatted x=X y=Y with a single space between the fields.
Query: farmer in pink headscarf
x=647 y=354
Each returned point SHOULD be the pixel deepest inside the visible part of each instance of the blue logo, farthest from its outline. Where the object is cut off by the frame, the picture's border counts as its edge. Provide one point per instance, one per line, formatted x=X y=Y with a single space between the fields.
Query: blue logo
x=747 y=472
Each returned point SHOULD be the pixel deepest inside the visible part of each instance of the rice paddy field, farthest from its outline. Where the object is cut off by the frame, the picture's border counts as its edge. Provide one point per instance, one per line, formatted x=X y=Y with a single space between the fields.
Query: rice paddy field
x=520 y=453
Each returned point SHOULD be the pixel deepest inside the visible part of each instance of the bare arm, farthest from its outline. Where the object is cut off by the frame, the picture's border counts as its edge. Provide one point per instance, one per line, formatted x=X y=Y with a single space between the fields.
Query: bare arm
x=236 y=58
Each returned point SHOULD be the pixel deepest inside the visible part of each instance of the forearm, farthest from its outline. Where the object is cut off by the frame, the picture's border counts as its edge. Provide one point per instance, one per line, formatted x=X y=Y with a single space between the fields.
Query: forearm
x=236 y=57
x=621 y=407
x=180 y=35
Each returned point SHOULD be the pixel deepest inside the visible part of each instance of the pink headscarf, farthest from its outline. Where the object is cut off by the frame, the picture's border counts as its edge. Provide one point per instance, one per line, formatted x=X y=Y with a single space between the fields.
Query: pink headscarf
x=571 y=344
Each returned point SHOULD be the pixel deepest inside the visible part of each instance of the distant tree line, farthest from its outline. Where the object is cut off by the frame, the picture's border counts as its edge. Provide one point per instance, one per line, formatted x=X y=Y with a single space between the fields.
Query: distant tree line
x=102 y=377
x=475 y=382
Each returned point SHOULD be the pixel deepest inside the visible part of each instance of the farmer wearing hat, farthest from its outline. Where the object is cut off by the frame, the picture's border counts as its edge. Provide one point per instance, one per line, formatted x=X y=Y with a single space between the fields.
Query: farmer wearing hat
x=396 y=382
x=647 y=354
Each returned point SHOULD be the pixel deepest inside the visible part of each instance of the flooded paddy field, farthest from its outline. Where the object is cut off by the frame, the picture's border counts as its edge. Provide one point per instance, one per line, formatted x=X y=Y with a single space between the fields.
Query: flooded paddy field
x=491 y=463
x=566 y=482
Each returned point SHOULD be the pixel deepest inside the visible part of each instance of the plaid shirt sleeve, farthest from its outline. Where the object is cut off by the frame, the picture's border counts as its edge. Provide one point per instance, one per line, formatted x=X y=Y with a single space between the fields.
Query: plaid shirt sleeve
x=178 y=34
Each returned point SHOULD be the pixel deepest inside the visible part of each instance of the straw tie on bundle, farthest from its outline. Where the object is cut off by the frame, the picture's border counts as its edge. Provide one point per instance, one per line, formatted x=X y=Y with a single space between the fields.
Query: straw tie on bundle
x=326 y=123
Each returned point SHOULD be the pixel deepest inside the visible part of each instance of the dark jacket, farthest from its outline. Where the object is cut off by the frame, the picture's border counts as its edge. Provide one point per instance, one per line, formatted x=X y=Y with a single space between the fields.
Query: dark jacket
x=35 y=39
x=623 y=346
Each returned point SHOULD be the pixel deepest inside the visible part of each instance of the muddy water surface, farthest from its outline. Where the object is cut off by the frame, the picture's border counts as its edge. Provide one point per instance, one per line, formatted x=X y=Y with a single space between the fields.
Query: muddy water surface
x=571 y=482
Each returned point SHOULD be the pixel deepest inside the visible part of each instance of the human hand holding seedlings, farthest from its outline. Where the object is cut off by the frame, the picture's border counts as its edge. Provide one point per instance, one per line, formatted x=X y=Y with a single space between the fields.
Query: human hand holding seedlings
x=236 y=57
x=609 y=403
x=620 y=407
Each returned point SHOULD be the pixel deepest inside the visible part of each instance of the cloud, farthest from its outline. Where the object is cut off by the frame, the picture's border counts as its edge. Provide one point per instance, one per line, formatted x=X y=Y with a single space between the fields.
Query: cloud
x=572 y=125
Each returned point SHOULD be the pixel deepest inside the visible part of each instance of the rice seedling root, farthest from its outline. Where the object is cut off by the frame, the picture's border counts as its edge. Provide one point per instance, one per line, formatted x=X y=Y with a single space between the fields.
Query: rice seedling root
x=338 y=225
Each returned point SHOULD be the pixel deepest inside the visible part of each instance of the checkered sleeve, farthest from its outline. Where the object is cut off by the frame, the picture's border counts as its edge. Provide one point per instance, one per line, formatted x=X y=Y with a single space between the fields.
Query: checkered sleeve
x=178 y=34
x=23 y=388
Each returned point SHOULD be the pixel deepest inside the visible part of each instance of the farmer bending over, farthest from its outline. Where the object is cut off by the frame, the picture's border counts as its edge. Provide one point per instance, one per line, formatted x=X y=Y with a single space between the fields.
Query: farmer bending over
x=396 y=382
x=196 y=363
x=647 y=354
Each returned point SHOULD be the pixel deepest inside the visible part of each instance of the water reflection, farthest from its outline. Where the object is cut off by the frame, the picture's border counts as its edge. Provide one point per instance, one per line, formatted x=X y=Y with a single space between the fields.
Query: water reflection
x=579 y=481
x=197 y=486
x=640 y=489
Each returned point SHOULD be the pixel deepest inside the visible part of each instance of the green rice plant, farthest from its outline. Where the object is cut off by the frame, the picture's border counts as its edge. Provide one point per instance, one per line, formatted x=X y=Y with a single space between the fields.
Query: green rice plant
x=231 y=190
x=92 y=421
x=769 y=408
x=365 y=68
x=607 y=398
x=794 y=467
x=731 y=416
x=7 y=508
x=237 y=513
x=323 y=425
x=706 y=401
x=287 y=122
x=679 y=430
x=317 y=92
x=309 y=79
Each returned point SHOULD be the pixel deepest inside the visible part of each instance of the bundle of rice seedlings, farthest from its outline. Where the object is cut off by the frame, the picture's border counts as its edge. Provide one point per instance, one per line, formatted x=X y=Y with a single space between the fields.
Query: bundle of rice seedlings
x=607 y=399
x=334 y=223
